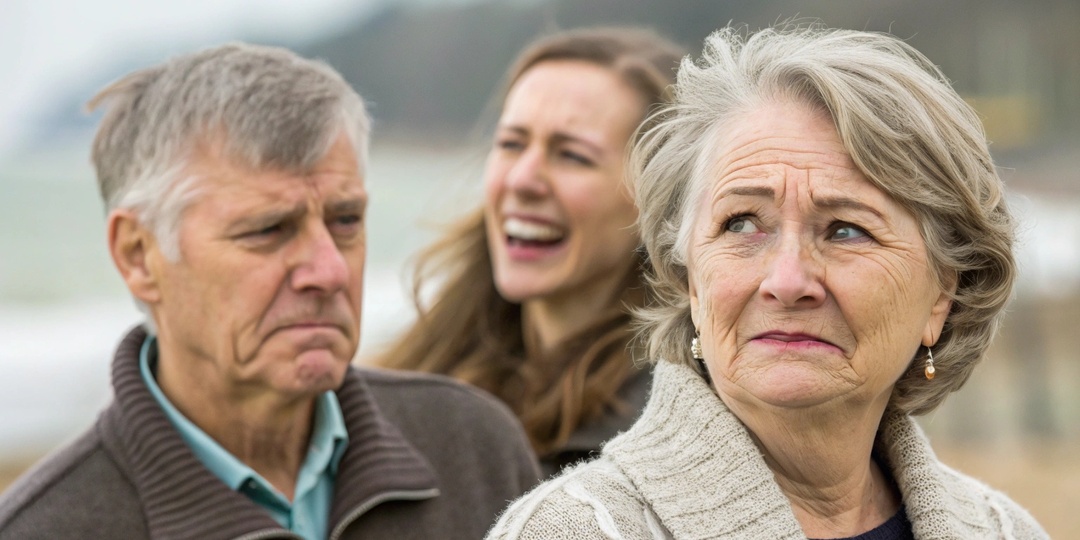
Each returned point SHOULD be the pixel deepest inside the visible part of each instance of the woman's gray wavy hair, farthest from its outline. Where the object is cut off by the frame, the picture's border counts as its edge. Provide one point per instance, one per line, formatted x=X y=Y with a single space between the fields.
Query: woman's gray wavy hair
x=906 y=129
x=269 y=107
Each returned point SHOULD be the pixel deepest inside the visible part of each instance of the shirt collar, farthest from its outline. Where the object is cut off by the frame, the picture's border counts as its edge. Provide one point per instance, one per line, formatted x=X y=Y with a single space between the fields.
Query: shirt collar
x=328 y=442
x=176 y=490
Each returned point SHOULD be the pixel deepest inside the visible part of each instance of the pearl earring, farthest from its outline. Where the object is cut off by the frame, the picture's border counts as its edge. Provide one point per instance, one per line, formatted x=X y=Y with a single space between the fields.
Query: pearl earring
x=929 y=371
x=695 y=349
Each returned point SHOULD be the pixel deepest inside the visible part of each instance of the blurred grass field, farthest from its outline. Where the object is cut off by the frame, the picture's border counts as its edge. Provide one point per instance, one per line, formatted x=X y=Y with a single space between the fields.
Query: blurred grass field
x=1044 y=477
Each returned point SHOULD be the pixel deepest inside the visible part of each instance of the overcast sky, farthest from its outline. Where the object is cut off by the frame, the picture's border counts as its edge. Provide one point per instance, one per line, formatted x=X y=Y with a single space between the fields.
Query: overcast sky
x=47 y=45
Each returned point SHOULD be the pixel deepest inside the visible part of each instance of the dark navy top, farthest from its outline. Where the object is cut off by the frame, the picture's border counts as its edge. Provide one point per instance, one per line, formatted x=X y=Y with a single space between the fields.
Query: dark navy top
x=896 y=528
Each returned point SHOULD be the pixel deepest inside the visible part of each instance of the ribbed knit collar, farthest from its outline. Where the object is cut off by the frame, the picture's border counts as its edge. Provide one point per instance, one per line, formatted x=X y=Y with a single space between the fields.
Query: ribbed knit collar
x=182 y=499
x=696 y=465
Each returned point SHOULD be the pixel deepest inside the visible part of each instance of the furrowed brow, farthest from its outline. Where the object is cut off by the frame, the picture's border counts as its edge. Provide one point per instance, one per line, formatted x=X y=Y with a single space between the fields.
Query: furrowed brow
x=561 y=137
x=265 y=219
x=749 y=191
x=842 y=202
x=346 y=206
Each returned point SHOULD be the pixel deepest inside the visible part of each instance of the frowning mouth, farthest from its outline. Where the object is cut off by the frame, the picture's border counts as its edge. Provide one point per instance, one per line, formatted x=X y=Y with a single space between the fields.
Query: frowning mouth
x=309 y=326
x=793 y=338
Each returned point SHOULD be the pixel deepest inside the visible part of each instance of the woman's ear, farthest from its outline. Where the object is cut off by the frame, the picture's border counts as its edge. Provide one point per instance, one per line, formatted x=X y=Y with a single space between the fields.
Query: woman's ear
x=695 y=304
x=130 y=246
x=939 y=312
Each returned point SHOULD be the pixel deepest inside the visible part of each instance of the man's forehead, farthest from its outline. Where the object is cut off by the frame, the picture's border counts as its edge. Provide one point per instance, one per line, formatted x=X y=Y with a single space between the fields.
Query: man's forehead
x=235 y=190
x=214 y=148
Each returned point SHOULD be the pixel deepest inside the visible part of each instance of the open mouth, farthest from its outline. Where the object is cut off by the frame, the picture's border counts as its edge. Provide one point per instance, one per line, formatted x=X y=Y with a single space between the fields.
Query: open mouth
x=532 y=234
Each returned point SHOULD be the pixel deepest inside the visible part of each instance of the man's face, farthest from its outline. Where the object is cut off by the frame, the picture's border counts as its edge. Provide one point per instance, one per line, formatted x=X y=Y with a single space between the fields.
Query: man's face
x=266 y=295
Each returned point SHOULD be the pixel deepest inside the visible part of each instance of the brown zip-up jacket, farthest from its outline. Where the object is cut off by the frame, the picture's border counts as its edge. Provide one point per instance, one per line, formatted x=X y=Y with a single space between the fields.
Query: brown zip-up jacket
x=427 y=458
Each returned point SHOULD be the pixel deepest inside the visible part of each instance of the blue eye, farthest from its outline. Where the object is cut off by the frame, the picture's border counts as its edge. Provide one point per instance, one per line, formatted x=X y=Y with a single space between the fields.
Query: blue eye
x=847 y=231
x=740 y=224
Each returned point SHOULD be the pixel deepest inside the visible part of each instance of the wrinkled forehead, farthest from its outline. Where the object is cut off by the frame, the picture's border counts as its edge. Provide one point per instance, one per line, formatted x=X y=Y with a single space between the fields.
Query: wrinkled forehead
x=214 y=169
x=747 y=142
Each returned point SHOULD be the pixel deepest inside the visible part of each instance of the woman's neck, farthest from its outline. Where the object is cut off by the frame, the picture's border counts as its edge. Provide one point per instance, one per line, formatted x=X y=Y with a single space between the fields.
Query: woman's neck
x=551 y=324
x=552 y=320
x=822 y=462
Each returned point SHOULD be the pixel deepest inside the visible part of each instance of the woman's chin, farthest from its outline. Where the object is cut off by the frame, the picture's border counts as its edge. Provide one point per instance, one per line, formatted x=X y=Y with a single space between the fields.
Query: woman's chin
x=790 y=386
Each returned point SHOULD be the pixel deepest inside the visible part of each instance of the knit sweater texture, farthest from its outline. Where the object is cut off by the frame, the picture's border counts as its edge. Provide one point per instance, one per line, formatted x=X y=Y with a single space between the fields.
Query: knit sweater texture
x=427 y=458
x=688 y=469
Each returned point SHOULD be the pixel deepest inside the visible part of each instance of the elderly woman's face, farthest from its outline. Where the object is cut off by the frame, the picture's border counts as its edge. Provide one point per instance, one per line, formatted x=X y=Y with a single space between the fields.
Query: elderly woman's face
x=808 y=284
x=559 y=221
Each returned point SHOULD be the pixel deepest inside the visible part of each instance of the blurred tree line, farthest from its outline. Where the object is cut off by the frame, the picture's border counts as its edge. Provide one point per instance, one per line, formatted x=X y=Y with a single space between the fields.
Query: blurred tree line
x=432 y=71
x=433 y=74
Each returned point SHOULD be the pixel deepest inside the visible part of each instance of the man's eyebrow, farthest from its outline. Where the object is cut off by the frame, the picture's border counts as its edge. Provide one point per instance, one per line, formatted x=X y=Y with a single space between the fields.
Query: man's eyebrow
x=345 y=206
x=265 y=219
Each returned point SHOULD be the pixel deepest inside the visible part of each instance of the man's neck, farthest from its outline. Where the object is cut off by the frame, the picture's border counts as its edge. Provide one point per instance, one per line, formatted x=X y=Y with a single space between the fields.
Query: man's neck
x=264 y=431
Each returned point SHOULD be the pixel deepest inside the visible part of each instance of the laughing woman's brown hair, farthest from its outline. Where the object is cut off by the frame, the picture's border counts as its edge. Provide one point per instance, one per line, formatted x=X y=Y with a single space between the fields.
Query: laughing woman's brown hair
x=534 y=288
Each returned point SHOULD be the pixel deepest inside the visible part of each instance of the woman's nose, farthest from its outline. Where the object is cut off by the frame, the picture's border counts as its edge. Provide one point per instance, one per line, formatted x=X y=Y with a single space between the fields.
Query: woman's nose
x=528 y=176
x=794 y=274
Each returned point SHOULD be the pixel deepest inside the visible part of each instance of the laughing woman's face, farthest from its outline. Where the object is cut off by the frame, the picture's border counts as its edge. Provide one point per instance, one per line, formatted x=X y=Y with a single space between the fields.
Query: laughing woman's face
x=560 y=223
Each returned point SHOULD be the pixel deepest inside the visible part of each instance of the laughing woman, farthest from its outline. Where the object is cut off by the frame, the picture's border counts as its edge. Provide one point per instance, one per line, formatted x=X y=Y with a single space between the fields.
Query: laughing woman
x=535 y=286
x=831 y=250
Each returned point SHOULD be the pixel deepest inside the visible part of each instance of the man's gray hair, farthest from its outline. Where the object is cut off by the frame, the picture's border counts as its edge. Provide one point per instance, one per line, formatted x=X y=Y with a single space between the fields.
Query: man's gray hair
x=268 y=107
x=905 y=128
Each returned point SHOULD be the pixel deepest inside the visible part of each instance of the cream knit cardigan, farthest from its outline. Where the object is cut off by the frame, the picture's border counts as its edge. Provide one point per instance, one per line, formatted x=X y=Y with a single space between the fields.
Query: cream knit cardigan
x=688 y=469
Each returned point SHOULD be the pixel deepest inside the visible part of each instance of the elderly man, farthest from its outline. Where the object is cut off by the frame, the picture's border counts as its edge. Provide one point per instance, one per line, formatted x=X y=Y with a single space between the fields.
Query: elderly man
x=234 y=180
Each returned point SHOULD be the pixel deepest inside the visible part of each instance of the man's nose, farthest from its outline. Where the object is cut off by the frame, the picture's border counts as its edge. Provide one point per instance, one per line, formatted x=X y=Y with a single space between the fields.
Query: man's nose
x=794 y=273
x=320 y=265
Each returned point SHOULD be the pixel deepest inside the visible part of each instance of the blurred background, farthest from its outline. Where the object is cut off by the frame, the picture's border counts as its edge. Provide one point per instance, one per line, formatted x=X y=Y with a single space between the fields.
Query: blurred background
x=430 y=70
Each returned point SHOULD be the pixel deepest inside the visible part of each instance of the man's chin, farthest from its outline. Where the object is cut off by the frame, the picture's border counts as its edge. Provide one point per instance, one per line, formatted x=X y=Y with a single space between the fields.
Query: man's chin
x=318 y=370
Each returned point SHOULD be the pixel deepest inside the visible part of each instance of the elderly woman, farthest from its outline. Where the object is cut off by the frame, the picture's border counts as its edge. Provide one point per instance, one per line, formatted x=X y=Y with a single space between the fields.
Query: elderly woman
x=831 y=251
x=533 y=288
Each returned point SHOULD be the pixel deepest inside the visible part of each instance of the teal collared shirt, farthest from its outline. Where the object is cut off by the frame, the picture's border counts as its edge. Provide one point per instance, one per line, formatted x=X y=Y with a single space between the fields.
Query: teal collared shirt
x=309 y=513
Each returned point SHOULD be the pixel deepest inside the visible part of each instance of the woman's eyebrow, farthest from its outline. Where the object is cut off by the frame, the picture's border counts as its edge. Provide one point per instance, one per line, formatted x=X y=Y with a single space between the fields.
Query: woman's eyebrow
x=561 y=136
x=827 y=201
x=749 y=191
x=841 y=201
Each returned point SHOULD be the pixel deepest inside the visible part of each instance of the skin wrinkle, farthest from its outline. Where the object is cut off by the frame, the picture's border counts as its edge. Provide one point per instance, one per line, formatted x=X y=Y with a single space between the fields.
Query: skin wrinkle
x=864 y=300
x=282 y=333
x=269 y=320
